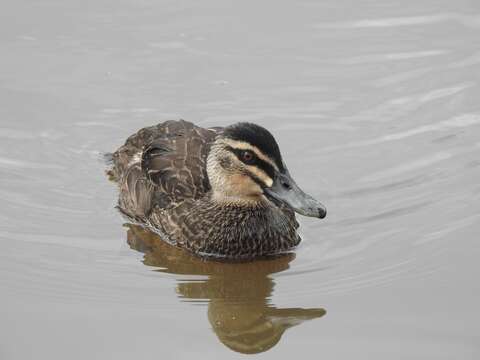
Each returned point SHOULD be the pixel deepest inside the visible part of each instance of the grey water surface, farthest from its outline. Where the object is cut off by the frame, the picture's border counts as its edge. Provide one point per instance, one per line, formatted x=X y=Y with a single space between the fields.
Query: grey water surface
x=376 y=106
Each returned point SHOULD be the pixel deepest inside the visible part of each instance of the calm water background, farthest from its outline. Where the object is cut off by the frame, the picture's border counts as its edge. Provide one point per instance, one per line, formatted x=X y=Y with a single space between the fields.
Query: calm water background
x=376 y=108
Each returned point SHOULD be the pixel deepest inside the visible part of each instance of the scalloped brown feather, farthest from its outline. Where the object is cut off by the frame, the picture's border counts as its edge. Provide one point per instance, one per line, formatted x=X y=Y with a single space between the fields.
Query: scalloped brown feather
x=170 y=166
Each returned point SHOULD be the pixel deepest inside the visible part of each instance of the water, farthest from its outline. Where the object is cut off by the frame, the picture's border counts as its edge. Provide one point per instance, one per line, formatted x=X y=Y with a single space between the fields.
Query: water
x=375 y=106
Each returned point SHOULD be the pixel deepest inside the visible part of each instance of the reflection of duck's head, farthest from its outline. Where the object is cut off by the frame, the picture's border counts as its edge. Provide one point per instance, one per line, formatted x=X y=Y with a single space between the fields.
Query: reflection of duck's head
x=238 y=293
x=251 y=329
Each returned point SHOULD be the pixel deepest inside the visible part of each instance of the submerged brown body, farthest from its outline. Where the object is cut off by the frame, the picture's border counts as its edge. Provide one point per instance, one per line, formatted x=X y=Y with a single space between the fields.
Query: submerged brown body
x=188 y=184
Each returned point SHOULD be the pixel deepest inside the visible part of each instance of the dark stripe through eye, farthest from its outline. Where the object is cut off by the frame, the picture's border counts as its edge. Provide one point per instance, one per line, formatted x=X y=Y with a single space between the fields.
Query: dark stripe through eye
x=254 y=160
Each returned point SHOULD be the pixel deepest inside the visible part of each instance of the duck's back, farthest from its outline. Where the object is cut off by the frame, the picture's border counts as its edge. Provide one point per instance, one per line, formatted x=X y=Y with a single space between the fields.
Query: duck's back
x=161 y=166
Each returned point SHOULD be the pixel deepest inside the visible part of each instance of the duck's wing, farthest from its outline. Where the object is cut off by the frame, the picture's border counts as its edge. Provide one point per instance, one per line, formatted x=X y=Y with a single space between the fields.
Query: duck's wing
x=136 y=196
x=131 y=151
x=163 y=165
x=176 y=161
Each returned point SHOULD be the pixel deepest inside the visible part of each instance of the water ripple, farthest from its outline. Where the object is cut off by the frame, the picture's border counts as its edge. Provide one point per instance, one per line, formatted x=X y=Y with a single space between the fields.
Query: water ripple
x=460 y=121
x=472 y=21
x=372 y=58
x=412 y=165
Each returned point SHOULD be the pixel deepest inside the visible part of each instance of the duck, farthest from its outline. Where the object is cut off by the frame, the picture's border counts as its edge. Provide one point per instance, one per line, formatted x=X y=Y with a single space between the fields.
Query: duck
x=219 y=192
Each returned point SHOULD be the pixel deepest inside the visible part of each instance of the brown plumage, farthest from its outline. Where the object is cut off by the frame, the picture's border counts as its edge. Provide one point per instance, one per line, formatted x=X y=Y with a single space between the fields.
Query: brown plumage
x=210 y=191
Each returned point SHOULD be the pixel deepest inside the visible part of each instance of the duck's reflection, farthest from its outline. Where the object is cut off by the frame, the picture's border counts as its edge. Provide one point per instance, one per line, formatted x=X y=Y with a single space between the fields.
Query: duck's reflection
x=238 y=293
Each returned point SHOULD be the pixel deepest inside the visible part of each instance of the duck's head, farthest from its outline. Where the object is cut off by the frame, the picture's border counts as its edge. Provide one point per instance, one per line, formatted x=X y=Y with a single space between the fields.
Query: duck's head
x=245 y=167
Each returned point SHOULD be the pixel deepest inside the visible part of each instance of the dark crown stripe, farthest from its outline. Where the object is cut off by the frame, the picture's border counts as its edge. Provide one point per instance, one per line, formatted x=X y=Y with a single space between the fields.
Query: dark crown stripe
x=256 y=136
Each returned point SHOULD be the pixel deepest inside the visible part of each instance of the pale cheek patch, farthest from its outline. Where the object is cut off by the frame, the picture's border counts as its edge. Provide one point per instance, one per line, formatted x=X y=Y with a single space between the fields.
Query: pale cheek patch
x=261 y=175
x=244 y=185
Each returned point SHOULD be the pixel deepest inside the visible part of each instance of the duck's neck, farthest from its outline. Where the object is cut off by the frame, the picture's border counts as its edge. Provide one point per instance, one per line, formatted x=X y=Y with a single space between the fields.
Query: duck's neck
x=230 y=198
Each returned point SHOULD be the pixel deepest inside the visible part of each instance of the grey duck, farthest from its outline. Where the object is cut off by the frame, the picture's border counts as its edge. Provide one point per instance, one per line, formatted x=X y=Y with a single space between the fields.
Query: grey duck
x=218 y=192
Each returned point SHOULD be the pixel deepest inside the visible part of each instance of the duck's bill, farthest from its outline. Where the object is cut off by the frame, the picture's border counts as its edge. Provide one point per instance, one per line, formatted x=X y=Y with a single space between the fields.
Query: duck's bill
x=285 y=190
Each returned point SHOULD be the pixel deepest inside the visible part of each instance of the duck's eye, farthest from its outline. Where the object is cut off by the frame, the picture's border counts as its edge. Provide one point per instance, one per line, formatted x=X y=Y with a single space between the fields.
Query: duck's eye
x=247 y=157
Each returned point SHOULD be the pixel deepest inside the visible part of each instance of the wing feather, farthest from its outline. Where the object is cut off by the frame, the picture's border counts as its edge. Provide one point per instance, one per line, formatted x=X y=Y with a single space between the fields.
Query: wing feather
x=171 y=168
